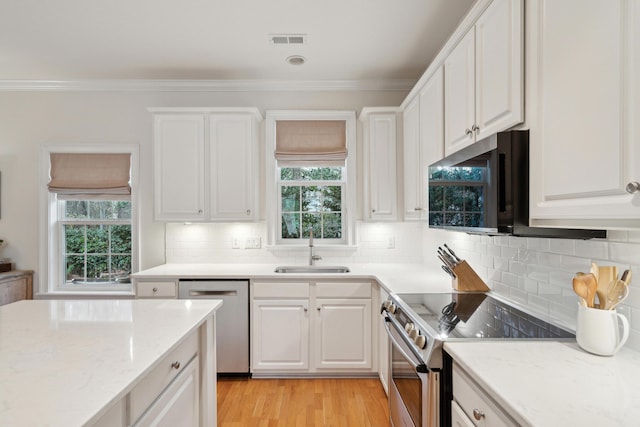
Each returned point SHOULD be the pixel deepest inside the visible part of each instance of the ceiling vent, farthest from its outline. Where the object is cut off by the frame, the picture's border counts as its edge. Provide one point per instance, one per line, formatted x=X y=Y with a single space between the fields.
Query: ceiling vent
x=288 y=39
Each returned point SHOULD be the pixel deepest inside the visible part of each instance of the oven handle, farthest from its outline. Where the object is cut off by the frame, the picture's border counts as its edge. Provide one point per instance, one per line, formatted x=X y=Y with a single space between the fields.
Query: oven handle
x=403 y=348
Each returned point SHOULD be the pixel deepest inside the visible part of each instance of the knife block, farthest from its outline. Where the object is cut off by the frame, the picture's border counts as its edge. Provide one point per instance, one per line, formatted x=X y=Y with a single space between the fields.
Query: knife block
x=467 y=279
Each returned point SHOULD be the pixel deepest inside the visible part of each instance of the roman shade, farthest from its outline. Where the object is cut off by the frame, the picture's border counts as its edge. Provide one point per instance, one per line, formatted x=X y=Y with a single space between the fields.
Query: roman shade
x=90 y=175
x=311 y=142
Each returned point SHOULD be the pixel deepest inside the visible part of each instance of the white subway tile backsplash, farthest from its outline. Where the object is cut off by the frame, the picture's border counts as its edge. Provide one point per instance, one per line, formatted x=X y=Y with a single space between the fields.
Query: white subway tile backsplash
x=562 y=246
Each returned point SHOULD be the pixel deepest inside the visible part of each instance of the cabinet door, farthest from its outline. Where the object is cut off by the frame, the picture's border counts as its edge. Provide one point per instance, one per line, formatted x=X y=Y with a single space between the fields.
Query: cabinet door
x=380 y=155
x=179 y=163
x=584 y=71
x=459 y=98
x=342 y=333
x=458 y=417
x=412 y=161
x=178 y=405
x=499 y=68
x=232 y=167
x=280 y=335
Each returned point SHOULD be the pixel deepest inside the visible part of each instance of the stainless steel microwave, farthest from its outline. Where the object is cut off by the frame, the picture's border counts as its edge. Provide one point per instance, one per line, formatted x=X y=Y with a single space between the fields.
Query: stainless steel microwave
x=484 y=189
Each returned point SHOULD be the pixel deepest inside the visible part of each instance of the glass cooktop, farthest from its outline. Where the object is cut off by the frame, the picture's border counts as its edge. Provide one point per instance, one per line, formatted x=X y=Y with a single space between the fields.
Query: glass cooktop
x=478 y=315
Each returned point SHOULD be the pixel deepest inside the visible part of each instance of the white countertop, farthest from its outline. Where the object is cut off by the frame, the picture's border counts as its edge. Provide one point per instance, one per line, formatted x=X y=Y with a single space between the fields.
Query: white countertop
x=64 y=363
x=398 y=278
x=547 y=384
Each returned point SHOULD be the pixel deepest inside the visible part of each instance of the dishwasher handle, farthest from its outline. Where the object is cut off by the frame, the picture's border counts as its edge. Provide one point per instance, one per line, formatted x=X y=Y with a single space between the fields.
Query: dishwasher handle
x=202 y=293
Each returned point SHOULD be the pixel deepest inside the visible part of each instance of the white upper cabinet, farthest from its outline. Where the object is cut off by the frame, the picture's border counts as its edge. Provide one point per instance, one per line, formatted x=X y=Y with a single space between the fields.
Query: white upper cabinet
x=423 y=121
x=380 y=193
x=179 y=164
x=233 y=171
x=205 y=163
x=583 y=71
x=484 y=77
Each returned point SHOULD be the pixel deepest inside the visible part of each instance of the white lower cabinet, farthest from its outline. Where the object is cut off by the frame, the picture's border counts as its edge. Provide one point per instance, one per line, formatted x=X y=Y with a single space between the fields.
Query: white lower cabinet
x=383 y=346
x=472 y=406
x=311 y=327
x=178 y=404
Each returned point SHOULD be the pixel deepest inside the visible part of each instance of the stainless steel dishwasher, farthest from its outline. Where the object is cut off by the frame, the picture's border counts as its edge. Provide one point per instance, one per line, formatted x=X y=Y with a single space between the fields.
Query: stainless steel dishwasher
x=232 y=320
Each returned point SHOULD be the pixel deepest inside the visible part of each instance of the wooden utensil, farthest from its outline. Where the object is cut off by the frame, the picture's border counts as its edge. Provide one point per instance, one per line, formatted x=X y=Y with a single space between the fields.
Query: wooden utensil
x=626 y=277
x=584 y=285
x=606 y=275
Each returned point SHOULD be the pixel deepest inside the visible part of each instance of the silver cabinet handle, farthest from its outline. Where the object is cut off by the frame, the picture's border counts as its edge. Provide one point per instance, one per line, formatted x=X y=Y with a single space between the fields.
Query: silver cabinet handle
x=199 y=211
x=373 y=211
x=475 y=128
x=417 y=209
x=305 y=309
x=248 y=211
x=318 y=309
x=175 y=365
x=468 y=132
x=633 y=187
x=478 y=414
x=155 y=290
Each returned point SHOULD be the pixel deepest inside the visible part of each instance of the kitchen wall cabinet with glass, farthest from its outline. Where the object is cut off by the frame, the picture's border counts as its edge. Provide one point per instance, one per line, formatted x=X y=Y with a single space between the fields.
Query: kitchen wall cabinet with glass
x=583 y=92
x=483 y=77
x=299 y=328
x=206 y=164
x=379 y=127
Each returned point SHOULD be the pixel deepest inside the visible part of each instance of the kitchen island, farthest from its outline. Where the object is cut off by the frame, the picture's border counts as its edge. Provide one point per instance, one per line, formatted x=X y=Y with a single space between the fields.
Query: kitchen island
x=80 y=362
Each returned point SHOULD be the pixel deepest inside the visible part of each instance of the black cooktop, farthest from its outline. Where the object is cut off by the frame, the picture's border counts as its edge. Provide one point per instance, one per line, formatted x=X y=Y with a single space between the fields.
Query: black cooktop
x=478 y=315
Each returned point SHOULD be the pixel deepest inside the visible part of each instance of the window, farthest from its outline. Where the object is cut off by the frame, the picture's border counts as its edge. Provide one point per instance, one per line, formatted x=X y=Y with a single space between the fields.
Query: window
x=313 y=164
x=96 y=237
x=311 y=200
x=90 y=218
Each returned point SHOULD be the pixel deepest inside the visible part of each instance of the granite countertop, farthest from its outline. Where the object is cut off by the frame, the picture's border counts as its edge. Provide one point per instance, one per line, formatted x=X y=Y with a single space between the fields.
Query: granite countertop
x=398 y=278
x=555 y=383
x=64 y=363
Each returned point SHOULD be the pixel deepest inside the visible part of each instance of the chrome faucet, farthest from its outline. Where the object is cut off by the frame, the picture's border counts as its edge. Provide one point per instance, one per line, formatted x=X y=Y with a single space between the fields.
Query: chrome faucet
x=312 y=257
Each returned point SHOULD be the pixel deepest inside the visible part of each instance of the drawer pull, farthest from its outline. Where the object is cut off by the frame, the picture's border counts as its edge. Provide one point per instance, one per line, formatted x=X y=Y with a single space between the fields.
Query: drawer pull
x=175 y=365
x=155 y=290
x=478 y=414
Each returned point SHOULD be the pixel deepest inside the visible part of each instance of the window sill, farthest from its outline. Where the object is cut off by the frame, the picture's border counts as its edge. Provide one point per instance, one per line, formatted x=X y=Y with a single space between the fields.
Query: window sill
x=85 y=295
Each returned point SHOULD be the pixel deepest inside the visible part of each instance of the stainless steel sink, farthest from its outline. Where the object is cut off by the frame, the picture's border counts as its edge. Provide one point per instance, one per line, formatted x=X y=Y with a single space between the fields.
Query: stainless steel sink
x=312 y=269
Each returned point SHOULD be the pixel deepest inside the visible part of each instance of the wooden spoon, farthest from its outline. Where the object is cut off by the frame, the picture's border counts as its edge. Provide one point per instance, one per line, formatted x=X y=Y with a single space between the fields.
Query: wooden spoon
x=616 y=293
x=584 y=285
x=606 y=275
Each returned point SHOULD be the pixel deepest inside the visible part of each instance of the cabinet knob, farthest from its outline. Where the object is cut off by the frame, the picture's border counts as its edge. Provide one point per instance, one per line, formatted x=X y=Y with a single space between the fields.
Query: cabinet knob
x=475 y=128
x=478 y=414
x=417 y=209
x=318 y=308
x=155 y=290
x=468 y=132
x=248 y=211
x=373 y=211
x=305 y=309
x=175 y=365
x=633 y=187
x=199 y=211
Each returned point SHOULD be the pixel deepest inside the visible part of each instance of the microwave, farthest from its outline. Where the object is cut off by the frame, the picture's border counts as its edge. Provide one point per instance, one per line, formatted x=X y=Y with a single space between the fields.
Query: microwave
x=484 y=189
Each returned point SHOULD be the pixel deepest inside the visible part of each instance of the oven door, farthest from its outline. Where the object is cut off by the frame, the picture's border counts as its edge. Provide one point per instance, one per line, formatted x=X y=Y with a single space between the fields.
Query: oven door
x=414 y=389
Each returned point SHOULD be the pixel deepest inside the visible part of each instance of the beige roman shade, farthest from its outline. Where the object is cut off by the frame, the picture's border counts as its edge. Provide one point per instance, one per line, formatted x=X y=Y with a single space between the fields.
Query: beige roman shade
x=90 y=176
x=311 y=142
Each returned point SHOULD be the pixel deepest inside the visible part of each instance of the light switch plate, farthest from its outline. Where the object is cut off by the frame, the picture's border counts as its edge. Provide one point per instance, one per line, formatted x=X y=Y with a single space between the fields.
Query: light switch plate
x=252 y=243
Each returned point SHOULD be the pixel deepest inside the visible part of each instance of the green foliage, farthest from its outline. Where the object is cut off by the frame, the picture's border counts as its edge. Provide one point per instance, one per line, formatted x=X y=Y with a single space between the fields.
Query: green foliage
x=311 y=174
x=457 y=196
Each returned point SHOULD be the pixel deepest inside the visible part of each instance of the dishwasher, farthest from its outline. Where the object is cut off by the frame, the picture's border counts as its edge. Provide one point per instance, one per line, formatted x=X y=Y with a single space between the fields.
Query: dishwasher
x=232 y=320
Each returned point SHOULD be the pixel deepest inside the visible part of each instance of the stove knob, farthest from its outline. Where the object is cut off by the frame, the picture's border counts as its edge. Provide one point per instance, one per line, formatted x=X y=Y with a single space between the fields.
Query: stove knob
x=413 y=334
x=421 y=341
x=392 y=308
x=408 y=326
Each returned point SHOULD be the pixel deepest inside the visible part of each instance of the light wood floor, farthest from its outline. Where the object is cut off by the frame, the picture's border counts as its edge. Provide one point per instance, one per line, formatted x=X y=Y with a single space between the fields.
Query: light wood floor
x=302 y=402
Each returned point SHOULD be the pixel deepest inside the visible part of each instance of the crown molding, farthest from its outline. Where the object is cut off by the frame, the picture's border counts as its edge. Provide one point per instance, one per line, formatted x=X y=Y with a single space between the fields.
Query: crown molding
x=394 y=85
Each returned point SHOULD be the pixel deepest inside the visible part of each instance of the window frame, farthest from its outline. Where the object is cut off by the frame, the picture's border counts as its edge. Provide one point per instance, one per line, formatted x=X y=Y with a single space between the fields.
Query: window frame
x=272 y=174
x=51 y=219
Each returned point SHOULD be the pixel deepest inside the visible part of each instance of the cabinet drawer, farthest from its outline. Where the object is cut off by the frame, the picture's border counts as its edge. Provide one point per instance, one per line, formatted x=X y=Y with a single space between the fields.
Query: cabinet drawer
x=281 y=290
x=156 y=290
x=471 y=398
x=157 y=380
x=343 y=290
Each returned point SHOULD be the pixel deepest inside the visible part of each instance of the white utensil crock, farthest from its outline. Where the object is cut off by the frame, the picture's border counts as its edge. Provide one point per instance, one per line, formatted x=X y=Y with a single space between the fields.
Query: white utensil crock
x=598 y=331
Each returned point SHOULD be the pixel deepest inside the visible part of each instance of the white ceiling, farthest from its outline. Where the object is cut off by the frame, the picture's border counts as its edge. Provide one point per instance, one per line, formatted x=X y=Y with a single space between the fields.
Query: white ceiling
x=222 y=39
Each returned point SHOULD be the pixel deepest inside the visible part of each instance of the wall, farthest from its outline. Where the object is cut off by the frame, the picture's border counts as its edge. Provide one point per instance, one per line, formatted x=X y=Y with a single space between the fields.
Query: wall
x=538 y=272
x=30 y=119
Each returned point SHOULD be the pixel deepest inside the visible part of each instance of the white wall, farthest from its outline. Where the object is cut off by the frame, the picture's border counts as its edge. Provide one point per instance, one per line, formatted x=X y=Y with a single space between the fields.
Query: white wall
x=30 y=119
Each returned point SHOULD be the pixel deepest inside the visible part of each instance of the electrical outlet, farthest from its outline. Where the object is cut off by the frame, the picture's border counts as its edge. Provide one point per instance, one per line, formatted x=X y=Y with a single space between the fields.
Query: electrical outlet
x=252 y=243
x=235 y=243
x=391 y=242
